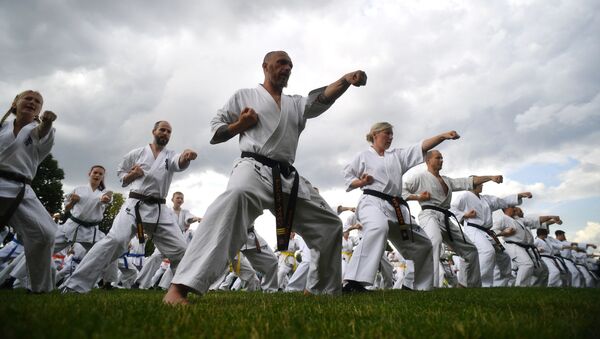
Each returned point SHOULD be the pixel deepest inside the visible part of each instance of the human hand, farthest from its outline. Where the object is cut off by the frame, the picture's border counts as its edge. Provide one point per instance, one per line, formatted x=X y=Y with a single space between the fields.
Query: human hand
x=356 y=78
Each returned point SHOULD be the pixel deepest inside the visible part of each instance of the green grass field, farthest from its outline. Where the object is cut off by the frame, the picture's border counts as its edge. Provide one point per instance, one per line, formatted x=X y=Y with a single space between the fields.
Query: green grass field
x=445 y=313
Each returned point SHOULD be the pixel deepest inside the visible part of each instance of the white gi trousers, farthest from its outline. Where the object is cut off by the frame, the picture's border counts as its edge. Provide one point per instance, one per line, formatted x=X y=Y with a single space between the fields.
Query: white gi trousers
x=522 y=263
x=109 y=274
x=433 y=224
x=167 y=238
x=577 y=279
x=486 y=253
x=286 y=264
x=224 y=231
x=298 y=279
x=378 y=227
x=265 y=263
x=37 y=231
x=554 y=272
x=151 y=265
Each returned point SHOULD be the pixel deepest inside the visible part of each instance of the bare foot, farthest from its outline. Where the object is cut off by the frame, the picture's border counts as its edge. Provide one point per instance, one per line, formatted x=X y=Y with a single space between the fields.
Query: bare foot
x=176 y=295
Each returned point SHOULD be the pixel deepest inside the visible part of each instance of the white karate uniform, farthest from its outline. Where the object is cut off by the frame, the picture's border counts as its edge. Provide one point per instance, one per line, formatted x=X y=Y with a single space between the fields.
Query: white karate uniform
x=250 y=191
x=183 y=219
x=347 y=250
x=540 y=270
x=378 y=217
x=263 y=262
x=166 y=235
x=287 y=262
x=71 y=262
x=555 y=270
x=10 y=251
x=246 y=274
x=483 y=205
x=434 y=225
x=89 y=208
x=297 y=281
x=577 y=279
x=522 y=259
x=22 y=155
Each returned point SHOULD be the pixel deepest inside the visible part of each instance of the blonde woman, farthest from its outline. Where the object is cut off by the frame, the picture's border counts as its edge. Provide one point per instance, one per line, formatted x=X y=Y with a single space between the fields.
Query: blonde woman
x=24 y=143
x=382 y=212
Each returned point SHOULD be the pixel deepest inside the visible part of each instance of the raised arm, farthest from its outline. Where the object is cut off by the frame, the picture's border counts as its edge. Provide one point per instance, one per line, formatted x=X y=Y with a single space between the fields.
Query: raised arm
x=480 y=179
x=430 y=143
x=337 y=88
x=45 y=126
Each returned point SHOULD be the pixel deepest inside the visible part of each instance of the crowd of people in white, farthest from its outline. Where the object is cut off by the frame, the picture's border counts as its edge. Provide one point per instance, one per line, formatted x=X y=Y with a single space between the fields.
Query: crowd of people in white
x=463 y=240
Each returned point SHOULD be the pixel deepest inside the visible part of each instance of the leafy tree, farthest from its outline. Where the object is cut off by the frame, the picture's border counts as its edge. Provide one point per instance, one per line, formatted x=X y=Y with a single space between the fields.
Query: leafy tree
x=47 y=184
x=111 y=212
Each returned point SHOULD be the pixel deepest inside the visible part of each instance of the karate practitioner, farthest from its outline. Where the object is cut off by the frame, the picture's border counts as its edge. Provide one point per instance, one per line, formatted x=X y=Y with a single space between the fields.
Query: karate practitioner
x=520 y=247
x=184 y=219
x=475 y=209
x=269 y=124
x=557 y=271
x=24 y=143
x=348 y=243
x=262 y=259
x=378 y=173
x=297 y=282
x=434 y=193
x=84 y=208
x=566 y=253
x=148 y=171
x=287 y=261
x=152 y=264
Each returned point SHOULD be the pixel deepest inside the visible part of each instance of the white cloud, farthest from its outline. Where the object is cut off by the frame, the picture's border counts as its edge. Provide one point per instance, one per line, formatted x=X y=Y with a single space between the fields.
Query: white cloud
x=517 y=79
x=589 y=235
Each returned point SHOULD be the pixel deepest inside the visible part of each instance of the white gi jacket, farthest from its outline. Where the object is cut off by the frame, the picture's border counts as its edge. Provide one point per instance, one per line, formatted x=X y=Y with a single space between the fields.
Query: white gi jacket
x=277 y=132
x=158 y=174
x=387 y=171
x=21 y=154
x=425 y=181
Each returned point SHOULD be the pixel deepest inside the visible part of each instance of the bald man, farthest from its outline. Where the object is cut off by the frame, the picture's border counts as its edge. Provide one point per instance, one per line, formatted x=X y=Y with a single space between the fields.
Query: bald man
x=269 y=124
x=433 y=191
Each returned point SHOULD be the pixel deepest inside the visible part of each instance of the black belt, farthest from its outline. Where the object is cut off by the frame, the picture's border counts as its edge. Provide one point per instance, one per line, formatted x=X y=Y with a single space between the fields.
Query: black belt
x=490 y=233
x=83 y=223
x=447 y=216
x=14 y=204
x=395 y=202
x=556 y=262
x=138 y=218
x=283 y=222
x=536 y=255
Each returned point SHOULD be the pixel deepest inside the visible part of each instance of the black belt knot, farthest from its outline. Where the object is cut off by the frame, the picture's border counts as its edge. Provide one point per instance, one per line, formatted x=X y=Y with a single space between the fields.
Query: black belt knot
x=138 y=218
x=395 y=202
x=447 y=216
x=12 y=206
x=536 y=258
x=490 y=233
x=283 y=221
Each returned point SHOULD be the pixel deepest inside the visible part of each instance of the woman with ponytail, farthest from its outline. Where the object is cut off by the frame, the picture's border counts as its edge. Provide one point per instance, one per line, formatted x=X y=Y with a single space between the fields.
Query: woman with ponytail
x=24 y=142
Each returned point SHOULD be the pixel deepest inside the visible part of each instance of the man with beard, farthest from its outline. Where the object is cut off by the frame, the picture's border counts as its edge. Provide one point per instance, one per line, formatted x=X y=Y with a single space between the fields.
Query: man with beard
x=148 y=171
x=269 y=124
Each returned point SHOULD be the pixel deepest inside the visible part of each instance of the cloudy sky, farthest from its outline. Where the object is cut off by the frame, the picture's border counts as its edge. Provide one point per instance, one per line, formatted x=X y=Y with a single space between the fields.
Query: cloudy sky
x=519 y=80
